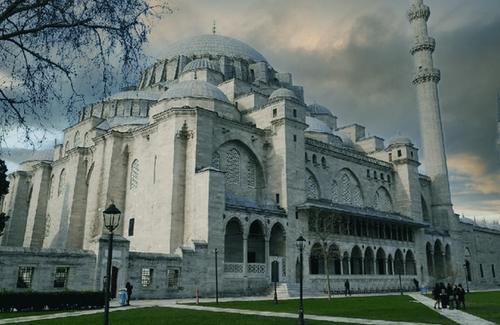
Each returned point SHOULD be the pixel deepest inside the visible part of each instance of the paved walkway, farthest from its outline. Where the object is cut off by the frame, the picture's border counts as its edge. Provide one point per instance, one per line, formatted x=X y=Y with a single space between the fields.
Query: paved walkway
x=457 y=316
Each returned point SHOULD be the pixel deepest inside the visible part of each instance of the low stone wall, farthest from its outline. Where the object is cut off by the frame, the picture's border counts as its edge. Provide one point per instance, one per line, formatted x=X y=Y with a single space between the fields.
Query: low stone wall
x=38 y=269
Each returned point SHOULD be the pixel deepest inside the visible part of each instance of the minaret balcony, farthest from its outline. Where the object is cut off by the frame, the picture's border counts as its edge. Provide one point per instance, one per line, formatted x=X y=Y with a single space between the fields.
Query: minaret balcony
x=423 y=44
x=426 y=75
x=418 y=12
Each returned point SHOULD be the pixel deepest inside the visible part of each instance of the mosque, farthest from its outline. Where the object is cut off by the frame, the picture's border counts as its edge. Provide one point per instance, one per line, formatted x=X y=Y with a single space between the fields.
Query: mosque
x=218 y=166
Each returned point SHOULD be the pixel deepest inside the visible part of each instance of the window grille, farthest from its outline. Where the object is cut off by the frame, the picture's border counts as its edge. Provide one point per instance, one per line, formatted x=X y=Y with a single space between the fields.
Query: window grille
x=357 y=198
x=251 y=174
x=173 y=278
x=61 y=277
x=25 y=277
x=335 y=191
x=346 y=190
x=134 y=174
x=233 y=167
x=47 y=226
x=216 y=160
x=147 y=277
x=312 y=188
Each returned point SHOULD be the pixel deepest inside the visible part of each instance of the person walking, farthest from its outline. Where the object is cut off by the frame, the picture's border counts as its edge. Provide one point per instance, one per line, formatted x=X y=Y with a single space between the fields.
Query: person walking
x=347 y=287
x=129 y=288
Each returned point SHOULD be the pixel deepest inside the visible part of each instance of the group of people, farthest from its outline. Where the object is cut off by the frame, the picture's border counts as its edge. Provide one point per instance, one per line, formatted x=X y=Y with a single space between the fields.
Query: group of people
x=448 y=297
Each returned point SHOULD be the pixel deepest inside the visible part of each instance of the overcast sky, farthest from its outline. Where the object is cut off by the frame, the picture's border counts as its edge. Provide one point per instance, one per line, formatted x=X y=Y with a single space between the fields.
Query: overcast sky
x=352 y=57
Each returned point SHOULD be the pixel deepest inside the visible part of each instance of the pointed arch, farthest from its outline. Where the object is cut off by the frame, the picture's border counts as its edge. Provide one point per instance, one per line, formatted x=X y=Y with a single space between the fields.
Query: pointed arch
x=134 y=174
x=447 y=258
x=425 y=211
x=380 y=261
x=430 y=258
x=399 y=262
x=356 y=258
x=233 y=242
x=382 y=200
x=77 y=139
x=277 y=240
x=369 y=261
x=439 y=260
x=62 y=182
x=312 y=188
x=316 y=260
x=334 y=259
x=256 y=243
x=410 y=263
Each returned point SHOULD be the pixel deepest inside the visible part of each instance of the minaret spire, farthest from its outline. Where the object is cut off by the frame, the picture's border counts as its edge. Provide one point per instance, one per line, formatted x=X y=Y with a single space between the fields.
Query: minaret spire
x=425 y=79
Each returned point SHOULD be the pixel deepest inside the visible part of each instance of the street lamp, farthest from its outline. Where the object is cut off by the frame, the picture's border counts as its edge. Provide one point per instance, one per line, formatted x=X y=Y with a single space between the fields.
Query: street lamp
x=111 y=220
x=466 y=276
x=300 y=245
x=275 y=275
x=216 y=279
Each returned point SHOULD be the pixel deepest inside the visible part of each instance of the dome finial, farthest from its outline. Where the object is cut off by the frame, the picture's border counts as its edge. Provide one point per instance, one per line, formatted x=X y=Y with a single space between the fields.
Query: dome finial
x=213 y=28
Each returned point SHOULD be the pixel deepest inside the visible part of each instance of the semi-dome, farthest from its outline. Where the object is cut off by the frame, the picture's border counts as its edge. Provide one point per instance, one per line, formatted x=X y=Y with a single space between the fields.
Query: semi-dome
x=195 y=88
x=283 y=93
x=401 y=141
x=317 y=109
x=42 y=155
x=213 y=45
x=201 y=64
x=317 y=126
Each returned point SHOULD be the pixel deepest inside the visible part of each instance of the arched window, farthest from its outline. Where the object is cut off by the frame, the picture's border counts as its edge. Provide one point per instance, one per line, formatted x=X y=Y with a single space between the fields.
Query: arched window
x=312 y=188
x=66 y=147
x=216 y=160
x=335 y=191
x=356 y=265
x=233 y=167
x=356 y=196
x=47 y=226
x=87 y=140
x=382 y=200
x=323 y=162
x=62 y=182
x=134 y=174
x=410 y=264
x=334 y=261
x=369 y=261
x=317 y=260
x=346 y=189
x=399 y=263
x=51 y=187
x=77 y=139
x=315 y=159
x=380 y=261
x=251 y=173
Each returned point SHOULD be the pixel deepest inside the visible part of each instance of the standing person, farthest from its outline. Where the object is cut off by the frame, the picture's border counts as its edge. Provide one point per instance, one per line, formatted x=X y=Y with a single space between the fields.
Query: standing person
x=449 y=294
x=437 y=293
x=455 y=296
x=129 y=288
x=461 y=296
x=444 y=296
x=347 y=287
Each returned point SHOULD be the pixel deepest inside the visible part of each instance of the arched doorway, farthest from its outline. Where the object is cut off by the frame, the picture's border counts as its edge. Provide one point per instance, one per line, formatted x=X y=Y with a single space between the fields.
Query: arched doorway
x=369 y=260
x=410 y=264
x=380 y=261
x=399 y=263
x=316 y=260
x=233 y=242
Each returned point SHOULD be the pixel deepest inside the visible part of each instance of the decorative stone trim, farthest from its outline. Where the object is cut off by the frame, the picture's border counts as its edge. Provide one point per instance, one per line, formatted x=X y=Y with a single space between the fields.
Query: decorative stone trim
x=423 y=44
x=426 y=75
x=418 y=12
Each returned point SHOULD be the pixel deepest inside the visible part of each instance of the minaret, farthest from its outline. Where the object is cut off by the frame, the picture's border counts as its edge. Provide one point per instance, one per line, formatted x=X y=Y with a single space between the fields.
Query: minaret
x=426 y=78
x=498 y=119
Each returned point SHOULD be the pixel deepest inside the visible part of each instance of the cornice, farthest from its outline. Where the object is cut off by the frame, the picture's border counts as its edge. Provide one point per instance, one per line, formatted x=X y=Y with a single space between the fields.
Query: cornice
x=423 y=44
x=418 y=12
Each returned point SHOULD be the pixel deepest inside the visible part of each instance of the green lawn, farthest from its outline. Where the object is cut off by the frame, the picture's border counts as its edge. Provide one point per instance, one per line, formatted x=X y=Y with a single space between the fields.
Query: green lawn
x=159 y=316
x=393 y=308
x=484 y=304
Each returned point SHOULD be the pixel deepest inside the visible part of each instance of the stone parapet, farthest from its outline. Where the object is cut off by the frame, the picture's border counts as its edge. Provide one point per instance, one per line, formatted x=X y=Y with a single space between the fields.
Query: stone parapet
x=426 y=75
x=418 y=12
x=423 y=44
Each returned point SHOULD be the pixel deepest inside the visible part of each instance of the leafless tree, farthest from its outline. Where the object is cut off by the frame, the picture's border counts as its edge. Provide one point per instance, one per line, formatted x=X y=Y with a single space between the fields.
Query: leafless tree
x=324 y=227
x=48 y=46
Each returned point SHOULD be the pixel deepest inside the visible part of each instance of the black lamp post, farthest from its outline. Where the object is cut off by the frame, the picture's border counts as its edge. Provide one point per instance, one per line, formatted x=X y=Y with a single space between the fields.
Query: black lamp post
x=274 y=276
x=216 y=279
x=300 y=245
x=399 y=271
x=111 y=221
x=466 y=276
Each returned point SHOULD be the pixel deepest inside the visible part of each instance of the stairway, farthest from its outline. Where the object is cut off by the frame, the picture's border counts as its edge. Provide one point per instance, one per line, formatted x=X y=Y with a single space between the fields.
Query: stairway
x=292 y=290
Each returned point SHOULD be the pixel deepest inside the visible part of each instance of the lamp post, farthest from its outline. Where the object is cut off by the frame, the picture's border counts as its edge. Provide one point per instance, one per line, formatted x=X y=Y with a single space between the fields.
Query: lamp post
x=216 y=279
x=399 y=271
x=466 y=276
x=274 y=275
x=111 y=220
x=300 y=245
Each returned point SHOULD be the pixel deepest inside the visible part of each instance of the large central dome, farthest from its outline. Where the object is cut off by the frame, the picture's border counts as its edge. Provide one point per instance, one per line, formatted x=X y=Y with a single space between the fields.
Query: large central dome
x=213 y=45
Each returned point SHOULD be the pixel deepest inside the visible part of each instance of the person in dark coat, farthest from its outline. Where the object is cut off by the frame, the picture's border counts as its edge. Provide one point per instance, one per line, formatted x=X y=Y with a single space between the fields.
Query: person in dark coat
x=347 y=287
x=437 y=295
x=449 y=294
x=444 y=296
x=129 y=288
x=461 y=296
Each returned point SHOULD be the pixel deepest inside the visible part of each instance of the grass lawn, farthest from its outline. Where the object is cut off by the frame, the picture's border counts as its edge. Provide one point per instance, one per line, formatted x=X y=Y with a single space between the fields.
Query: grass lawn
x=392 y=308
x=159 y=316
x=484 y=304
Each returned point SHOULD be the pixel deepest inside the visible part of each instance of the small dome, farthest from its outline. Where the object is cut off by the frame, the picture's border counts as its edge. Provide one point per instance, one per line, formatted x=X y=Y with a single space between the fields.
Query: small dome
x=317 y=126
x=317 y=109
x=202 y=64
x=195 y=88
x=135 y=94
x=283 y=93
x=401 y=141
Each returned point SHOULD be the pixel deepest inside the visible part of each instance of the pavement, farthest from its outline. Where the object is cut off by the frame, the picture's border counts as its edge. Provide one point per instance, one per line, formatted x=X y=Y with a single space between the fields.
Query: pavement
x=457 y=316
